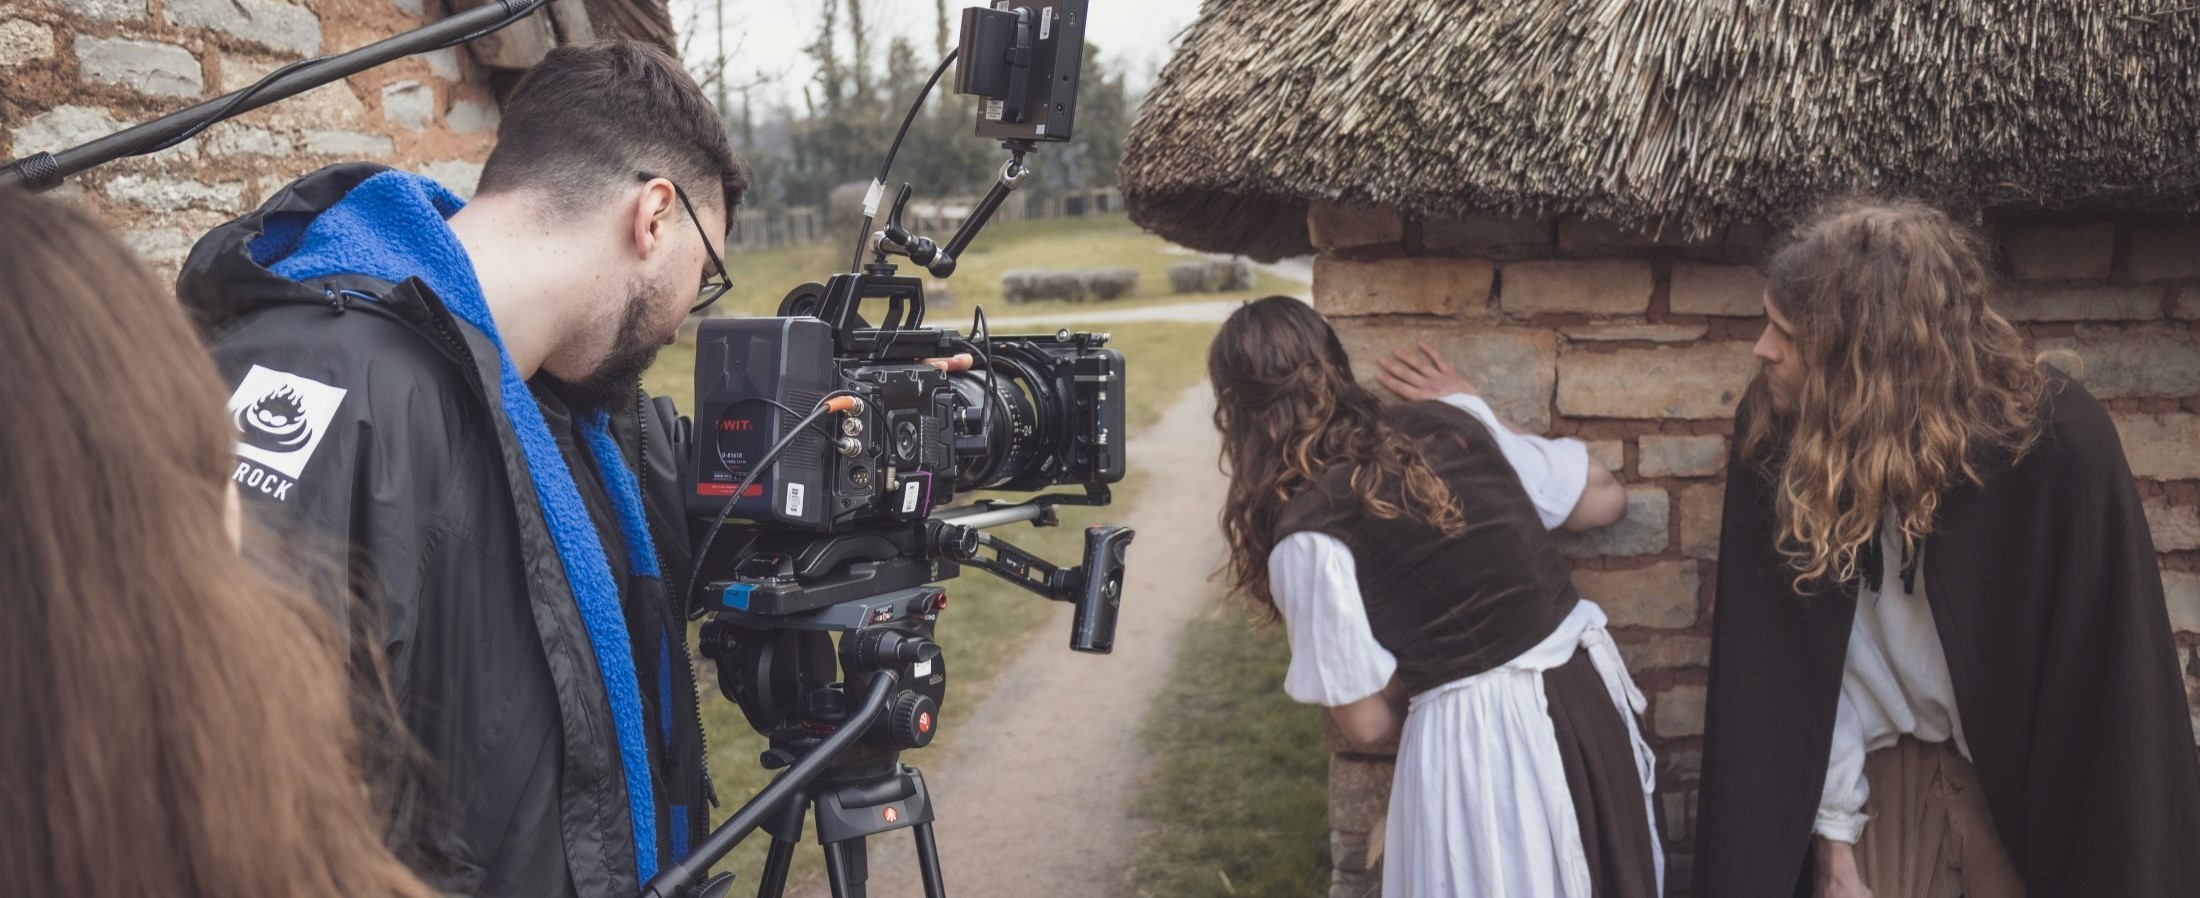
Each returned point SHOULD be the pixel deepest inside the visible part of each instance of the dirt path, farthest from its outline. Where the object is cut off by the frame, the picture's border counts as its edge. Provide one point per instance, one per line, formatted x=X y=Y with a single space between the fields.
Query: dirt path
x=1035 y=798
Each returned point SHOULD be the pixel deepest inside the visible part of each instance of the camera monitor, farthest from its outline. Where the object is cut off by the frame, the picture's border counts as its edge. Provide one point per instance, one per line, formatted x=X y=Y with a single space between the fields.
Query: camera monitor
x=1022 y=62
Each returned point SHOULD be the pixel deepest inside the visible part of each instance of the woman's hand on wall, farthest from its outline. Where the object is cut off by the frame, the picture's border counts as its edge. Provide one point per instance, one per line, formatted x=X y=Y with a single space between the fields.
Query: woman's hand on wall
x=1421 y=375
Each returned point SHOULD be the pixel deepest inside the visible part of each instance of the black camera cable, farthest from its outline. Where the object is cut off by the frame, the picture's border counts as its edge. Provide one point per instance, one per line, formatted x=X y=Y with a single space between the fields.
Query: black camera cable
x=878 y=185
x=824 y=407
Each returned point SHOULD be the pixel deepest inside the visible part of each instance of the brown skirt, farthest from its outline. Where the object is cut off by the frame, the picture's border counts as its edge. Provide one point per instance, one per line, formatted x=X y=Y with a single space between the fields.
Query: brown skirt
x=1600 y=772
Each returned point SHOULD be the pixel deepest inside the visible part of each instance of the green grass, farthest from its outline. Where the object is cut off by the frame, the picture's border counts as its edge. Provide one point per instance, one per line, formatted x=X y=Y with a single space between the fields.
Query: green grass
x=1238 y=804
x=988 y=621
x=761 y=279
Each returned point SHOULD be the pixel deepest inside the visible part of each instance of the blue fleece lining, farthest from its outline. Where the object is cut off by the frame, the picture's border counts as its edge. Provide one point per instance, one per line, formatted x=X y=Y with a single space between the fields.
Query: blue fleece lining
x=391 y=226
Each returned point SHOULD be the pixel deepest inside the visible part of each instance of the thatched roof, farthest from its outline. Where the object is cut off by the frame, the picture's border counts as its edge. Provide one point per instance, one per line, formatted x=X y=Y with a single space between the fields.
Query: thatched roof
x=648 y=20
x=1685 y=114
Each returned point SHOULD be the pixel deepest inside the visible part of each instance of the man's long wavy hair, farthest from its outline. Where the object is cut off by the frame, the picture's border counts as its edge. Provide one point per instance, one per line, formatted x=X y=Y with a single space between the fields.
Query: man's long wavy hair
x=1289 y=410
x=1911 y=381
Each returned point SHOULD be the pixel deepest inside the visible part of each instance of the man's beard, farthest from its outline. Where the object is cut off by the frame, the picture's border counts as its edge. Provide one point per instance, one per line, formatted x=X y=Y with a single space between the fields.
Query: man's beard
x=619 y=375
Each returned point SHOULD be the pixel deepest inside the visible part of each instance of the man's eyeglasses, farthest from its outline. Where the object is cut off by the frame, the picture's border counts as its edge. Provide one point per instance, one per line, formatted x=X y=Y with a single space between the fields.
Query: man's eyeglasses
x=715 y=280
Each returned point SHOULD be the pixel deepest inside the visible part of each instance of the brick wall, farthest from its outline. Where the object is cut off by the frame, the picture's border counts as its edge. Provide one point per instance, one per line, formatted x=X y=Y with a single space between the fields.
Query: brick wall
x=1641 y=347
x=73 y=70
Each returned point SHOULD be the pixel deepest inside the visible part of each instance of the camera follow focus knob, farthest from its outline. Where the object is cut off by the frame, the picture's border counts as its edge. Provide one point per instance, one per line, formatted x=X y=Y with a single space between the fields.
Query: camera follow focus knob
x=913 y=720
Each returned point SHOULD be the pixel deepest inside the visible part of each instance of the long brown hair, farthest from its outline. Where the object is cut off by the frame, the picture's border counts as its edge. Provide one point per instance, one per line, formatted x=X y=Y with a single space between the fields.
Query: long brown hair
x=1911 y=380
x=171 y=722
x=1289 y=409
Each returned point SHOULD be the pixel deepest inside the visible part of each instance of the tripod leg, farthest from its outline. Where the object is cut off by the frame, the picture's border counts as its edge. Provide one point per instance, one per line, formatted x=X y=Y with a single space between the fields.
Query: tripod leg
x=928 y=862
x=786 y=831
x=774 y=881
x=847 y=868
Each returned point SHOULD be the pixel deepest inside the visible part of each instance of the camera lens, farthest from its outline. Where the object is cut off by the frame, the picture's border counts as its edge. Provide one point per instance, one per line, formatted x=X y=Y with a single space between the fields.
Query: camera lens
x=1012 y=422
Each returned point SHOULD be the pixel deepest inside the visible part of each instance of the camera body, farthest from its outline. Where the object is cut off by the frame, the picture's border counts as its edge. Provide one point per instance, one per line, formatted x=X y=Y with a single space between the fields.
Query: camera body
x=1034 y=412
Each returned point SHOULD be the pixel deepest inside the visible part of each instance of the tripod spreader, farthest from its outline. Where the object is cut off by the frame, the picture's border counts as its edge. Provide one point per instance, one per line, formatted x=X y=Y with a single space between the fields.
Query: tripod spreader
x=675 y=881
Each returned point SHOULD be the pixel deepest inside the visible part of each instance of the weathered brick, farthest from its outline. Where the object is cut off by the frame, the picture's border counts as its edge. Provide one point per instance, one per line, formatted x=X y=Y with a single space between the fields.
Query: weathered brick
x=22 y=42
x=1747 y=243
x=471 y=116
x=1664 y=456
x=161 y=246
x=347 y=143
x=2075 y=251
x=1664 y=651
x=1652 y=333
x=1679 y=711
x=1334 y=740
x=1642 y=532
x=110 y=10
x=1348 y=852
x=328 y=106
x=62 y=127
x=1330 y=226
x=1680 y=766
x=1492 y=234
x=1730 y=291
x=1702 y=508
x=2188 y=305
x=162 y=194
x=2135 y=364
x=1612 y=454
x=232 y=139
x=414 y=8
x=2165 y=252
x=1359 y=793
x=457 y=174
x=2176 y=528
x=272 y=23
x=2054 y=302
x=149 y=66
x=2182 y=591
x=1661 y=595
x=2161 y=446
x=443 y=63
x=1594 y=286
x=1513 y=367
x=408 y=104
x=1697 y=382
x=1416 y=286
x=1577 y=234
x=1680 y=812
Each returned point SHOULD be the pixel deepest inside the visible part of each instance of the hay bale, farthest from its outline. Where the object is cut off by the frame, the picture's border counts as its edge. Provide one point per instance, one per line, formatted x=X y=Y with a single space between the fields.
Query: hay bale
x=1230 y=274
x=1063 y=285
x=1190 y=277
x=1023 y=285
x=1111 y=283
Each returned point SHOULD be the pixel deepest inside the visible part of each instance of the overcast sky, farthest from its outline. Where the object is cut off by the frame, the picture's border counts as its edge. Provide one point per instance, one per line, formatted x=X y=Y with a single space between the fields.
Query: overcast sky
x=765 y=37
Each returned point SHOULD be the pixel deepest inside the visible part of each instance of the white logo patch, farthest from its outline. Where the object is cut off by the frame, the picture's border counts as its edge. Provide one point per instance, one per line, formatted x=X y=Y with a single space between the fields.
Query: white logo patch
x=281 y=417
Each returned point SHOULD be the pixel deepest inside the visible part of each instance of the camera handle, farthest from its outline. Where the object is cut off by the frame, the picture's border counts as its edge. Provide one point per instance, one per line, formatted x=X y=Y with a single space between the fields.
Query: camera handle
x=43 y=171
x=683 y=878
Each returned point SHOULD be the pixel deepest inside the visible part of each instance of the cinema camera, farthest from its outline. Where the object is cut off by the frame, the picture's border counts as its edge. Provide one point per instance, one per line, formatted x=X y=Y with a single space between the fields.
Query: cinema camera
x=828 y=430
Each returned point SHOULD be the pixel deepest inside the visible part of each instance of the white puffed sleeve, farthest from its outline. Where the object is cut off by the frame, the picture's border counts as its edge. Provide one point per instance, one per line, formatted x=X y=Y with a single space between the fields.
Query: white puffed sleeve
x=1553 y=471
x=1335 y=659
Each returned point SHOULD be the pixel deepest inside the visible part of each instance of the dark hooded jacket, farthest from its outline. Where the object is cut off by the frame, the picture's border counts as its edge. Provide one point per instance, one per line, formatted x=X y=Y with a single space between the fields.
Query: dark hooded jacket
x=371 y=427
x=2047 y=597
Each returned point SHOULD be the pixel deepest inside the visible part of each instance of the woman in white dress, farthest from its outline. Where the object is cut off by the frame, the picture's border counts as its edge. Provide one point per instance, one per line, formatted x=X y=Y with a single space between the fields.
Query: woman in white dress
x=1407 y=551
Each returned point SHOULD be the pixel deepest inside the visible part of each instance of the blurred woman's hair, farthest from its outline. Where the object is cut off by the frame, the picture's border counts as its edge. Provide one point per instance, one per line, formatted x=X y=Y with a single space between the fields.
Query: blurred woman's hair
x=172 y=722
x=1910 y=380
x=1289 y=409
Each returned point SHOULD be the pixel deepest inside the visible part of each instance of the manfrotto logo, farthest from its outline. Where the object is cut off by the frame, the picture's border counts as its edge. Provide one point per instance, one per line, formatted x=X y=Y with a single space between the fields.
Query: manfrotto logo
x=280 y=418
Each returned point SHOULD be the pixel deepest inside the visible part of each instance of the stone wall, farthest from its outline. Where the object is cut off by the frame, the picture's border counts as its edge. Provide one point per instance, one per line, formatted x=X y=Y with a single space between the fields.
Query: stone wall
x=74 y=70
x=1641 y=347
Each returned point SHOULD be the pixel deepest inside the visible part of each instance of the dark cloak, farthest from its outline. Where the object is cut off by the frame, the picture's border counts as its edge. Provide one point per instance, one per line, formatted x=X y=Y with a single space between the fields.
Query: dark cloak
x=2047 y=594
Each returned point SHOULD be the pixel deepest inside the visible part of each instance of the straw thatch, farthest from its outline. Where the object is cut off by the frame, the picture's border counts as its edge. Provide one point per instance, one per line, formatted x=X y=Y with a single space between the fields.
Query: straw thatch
x=648 y=20
x=1676 y=115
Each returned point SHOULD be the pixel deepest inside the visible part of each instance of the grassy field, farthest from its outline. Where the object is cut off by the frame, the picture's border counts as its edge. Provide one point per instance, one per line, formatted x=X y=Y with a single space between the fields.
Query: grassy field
x=989 y=620
x=761 y=279
x=1238 y=803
